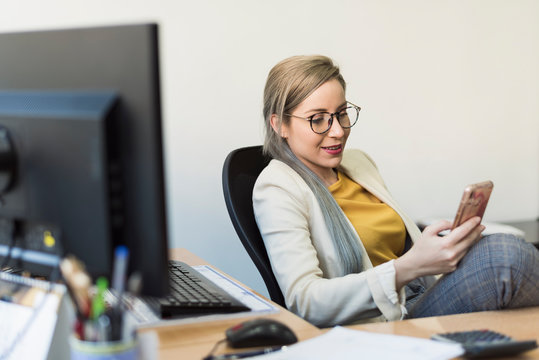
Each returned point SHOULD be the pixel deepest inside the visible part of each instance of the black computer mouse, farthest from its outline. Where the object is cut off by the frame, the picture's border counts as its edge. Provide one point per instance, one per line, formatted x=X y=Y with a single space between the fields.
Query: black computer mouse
x=260 y=332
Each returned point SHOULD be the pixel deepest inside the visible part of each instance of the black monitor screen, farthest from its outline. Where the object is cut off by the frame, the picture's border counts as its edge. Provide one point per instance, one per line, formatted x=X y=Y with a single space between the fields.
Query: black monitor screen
x=81 y=153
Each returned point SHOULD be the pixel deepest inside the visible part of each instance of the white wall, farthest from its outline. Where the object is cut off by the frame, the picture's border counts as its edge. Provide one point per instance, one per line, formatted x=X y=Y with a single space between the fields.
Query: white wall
x=450 y=92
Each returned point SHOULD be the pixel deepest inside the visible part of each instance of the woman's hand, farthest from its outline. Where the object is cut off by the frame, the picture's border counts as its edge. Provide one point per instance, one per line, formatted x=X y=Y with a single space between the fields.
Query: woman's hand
x=432 y=254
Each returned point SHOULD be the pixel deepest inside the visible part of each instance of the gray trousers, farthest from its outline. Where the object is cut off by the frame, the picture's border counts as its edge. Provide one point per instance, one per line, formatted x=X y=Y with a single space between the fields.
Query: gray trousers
x=501 y=271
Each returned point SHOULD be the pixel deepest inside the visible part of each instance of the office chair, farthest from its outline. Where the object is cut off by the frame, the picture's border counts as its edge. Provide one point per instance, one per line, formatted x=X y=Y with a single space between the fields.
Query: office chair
x=240 y=170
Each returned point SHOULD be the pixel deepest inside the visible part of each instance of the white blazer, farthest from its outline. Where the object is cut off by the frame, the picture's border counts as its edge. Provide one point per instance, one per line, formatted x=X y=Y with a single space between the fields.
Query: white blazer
x=304 y=259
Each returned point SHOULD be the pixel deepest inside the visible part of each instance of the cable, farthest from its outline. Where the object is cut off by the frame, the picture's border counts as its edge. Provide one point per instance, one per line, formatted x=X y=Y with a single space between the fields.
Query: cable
x=210 y=354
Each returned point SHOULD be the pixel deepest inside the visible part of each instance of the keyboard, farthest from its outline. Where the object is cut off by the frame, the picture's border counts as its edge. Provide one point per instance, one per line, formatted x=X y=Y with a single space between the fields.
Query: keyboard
x=192 y=294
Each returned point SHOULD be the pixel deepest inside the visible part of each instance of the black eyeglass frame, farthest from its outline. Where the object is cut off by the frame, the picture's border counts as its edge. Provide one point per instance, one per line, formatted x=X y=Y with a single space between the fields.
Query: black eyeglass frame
x=330 y=121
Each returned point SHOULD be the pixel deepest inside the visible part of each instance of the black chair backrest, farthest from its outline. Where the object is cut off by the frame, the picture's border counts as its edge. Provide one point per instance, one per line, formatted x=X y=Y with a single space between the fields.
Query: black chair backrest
x=240 y=170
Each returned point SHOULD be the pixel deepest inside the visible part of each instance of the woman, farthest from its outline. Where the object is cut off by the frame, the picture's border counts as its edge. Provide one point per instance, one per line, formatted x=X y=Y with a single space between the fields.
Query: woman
x=340 y=247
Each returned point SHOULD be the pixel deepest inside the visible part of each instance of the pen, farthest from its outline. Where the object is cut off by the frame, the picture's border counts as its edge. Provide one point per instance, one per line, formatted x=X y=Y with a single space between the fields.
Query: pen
x=121 y=255
x=116 y=316
x=78 y=284
x=98 y=302
x=245 y=354
x=119 y=275
x=104 y=328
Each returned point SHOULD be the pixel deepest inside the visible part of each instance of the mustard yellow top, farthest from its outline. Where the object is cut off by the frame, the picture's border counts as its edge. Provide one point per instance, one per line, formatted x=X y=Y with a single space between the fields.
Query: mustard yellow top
x=379 y=227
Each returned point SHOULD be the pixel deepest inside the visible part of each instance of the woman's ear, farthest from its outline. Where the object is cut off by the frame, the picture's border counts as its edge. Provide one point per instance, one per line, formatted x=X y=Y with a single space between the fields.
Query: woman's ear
x=277 y=126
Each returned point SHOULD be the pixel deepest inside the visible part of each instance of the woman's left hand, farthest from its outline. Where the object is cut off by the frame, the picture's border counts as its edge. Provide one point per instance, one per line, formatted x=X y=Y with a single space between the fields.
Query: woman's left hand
x=432 y=254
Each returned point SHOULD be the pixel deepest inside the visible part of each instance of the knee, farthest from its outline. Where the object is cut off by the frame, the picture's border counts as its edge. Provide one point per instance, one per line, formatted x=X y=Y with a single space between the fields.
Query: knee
x=506 y=251
x=500 y=270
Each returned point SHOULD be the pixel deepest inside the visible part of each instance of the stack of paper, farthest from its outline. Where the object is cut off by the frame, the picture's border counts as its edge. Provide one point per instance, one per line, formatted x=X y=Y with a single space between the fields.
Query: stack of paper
x=346 y=344
x=28 y=311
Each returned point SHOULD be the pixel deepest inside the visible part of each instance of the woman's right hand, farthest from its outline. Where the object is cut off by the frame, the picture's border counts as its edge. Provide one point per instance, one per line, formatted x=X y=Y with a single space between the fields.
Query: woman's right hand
x=432 y=254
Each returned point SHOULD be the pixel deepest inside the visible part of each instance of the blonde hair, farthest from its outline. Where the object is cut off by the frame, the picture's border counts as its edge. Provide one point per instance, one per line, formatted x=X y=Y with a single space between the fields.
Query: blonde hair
x=289 y=83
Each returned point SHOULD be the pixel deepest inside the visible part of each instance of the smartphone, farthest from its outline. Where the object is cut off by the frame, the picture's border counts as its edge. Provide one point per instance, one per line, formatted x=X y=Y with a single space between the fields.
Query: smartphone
x=474 y=202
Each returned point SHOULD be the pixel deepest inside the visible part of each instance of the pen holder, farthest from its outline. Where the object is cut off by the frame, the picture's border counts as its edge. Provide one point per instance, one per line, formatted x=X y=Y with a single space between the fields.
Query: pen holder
x=103 y=350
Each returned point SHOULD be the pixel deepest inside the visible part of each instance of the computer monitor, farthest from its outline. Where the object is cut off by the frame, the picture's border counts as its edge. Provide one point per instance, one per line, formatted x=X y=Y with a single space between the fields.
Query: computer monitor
x=81 y=152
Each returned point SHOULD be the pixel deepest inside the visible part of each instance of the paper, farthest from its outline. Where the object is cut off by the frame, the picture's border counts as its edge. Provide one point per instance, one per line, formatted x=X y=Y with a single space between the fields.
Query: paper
x=247 y=297
x=28 y=318
x=346 y=344
x=148 y=345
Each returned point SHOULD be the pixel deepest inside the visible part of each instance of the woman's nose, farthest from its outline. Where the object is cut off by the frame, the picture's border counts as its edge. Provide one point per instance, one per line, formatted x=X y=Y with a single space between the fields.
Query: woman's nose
x=335 y=130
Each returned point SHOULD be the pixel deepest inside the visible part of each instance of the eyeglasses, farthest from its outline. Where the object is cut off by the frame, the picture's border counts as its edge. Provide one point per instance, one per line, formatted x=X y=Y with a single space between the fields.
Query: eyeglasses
x=321 y=122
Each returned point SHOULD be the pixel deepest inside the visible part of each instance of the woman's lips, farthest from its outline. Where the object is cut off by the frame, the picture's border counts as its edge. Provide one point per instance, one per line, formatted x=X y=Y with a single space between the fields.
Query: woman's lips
x=333 y=150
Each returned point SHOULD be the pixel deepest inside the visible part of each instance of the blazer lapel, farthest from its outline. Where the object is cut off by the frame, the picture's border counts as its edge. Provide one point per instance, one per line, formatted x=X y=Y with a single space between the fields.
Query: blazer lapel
x=363 y=171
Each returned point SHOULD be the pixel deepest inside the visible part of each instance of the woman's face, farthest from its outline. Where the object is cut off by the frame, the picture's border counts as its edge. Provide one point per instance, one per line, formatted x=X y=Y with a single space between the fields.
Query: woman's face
x=319 y=152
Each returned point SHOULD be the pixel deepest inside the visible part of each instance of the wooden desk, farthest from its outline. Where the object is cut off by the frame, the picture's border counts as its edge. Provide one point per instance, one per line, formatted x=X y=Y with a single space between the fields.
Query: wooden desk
x=521 y=324
x=195 y=340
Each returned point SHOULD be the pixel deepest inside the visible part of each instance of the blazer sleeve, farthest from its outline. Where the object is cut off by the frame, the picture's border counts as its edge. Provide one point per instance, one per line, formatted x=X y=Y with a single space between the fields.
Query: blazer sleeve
x=297 y=242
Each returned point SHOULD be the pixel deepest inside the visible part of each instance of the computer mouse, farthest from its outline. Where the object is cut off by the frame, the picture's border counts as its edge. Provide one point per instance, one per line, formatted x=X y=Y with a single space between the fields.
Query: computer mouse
x=260 y=332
